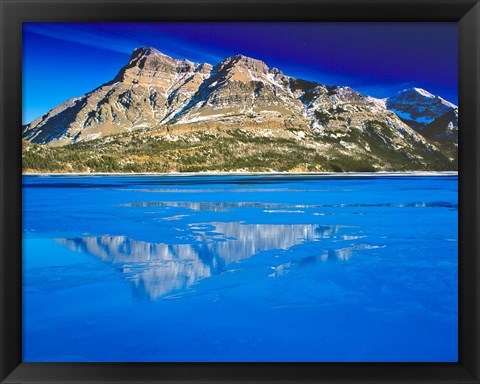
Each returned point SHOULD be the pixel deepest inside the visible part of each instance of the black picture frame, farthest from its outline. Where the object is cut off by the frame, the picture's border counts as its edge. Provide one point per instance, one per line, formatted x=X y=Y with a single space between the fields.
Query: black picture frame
x=13 y=12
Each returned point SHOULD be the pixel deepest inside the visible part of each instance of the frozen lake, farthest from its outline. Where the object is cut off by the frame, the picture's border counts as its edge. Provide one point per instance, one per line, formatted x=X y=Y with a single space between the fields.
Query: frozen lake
x=240 y=268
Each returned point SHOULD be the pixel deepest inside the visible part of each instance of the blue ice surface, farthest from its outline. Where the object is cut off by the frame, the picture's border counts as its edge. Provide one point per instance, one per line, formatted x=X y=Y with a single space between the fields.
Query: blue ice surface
x=240 y=268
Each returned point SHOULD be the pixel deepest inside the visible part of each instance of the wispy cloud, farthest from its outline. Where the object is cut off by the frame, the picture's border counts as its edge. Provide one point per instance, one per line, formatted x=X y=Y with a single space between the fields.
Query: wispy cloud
x=83 y=34
x=89 y=35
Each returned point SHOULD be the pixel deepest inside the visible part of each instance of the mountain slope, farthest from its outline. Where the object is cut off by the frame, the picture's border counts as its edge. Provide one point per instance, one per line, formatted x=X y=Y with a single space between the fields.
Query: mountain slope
x=240 y=150
x=241 y=85
x=443 y=129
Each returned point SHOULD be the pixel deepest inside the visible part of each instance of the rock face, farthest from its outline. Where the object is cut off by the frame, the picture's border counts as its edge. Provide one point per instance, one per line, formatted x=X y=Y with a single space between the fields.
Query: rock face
x=443 y=129
x=156 y=92
x=242 y=87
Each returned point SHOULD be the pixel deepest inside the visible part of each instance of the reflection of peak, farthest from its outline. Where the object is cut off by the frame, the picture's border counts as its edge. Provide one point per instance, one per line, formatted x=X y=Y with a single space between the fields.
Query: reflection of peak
x=340 y=254
x=216 y=206
x=162 y=268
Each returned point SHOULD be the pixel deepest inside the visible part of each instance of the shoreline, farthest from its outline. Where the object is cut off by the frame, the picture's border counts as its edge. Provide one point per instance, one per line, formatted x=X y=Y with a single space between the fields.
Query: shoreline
x=319 y=174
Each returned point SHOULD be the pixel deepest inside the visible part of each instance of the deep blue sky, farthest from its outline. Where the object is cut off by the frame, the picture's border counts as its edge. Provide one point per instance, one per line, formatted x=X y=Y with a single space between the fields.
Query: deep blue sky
x=64 y=60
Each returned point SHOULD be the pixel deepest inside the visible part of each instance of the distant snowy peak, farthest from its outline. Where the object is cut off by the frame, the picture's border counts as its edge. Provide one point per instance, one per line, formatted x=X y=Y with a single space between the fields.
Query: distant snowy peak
x=420 y=91
x=418 y=106
x=422 y=94
x=434 y=117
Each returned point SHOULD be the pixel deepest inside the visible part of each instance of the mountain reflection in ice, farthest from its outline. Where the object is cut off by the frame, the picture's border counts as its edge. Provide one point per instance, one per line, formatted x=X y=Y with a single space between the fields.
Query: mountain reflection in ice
x=158 y=268
x=223 y=206
x=215 y=206
x=218 y=269
x=341 y=254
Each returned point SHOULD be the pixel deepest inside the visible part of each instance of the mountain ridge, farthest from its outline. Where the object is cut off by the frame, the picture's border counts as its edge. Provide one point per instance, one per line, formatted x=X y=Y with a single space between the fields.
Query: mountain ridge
x=158 y=95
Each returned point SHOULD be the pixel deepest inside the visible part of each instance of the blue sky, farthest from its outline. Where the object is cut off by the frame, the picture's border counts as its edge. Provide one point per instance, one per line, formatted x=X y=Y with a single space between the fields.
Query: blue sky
x=64 y=60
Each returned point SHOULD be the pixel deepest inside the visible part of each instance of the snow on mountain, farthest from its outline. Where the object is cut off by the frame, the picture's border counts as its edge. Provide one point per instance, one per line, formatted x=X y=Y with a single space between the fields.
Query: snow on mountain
x=418 y=105
x=148 y=88
x=380 y=103
x=431 y=115
x=240 y=85
x=154 y=91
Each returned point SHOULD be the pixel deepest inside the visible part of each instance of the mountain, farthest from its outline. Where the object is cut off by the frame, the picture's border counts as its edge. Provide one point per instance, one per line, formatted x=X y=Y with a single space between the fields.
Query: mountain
x=149 y=87
x=443 y=129
x=252 y=110
x=434 y=117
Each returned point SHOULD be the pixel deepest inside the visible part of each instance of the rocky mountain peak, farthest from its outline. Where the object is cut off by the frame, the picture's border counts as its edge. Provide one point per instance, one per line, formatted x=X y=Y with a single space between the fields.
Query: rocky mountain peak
x=205 y=68
x=149 y=57
x=146 y=51
x=143 y=64
x=242 y=68
x=149 y=66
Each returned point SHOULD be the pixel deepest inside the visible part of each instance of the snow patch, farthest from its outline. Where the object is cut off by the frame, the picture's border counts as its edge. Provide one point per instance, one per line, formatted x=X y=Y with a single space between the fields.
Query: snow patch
x=382 y=103
x=423 y=92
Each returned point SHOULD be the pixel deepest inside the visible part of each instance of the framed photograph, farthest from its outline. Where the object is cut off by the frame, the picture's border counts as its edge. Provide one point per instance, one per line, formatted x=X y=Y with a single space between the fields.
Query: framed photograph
x=226 y=191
